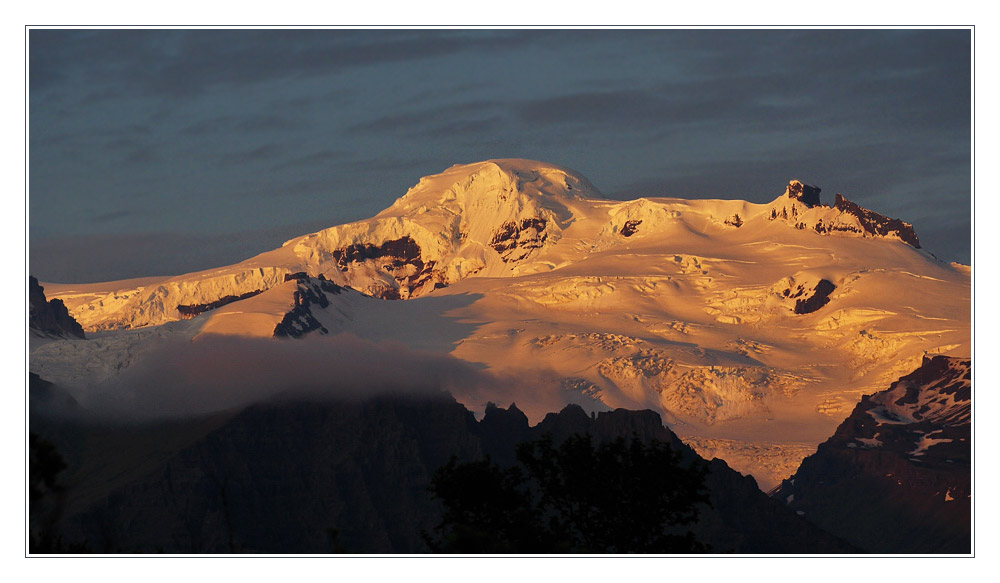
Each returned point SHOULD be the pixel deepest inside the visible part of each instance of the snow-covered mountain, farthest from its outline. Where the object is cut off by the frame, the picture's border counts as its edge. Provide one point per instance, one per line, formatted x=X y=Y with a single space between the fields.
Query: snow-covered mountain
x=750 y=327
x=500 y=218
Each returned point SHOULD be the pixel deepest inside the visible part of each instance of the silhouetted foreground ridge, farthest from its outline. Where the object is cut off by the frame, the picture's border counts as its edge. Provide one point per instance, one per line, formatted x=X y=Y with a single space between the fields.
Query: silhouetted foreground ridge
x=354 y=477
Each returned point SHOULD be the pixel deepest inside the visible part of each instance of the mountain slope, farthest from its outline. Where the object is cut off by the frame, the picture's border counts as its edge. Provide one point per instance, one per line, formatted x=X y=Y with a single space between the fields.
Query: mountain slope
x=896 y=475
x=743 y=324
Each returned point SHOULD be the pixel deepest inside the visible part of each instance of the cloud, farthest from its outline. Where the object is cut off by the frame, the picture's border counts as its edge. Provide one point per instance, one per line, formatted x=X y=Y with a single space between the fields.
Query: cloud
x=184 y=63
x=455 y=120
x=771 y=80
x=267 y=152
x=110 y=257
x=112 y=216
x=320 y=158
x=178 y=378
x=224 y=124
x=634 y=107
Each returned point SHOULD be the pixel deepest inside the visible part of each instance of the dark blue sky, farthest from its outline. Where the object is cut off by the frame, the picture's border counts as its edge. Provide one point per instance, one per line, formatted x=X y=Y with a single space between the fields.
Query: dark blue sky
x=162 y=151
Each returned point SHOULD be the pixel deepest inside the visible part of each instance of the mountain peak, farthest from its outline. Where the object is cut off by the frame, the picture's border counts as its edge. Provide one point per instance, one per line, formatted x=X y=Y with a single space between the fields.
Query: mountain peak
x=805 y=193
x=805 y=211
x=498 y=180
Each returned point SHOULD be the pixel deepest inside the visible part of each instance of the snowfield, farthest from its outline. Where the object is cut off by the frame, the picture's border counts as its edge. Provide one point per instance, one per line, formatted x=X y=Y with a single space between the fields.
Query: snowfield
x=746 y=326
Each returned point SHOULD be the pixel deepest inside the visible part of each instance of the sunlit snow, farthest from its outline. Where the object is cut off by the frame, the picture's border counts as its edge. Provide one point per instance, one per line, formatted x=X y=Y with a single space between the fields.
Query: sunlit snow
x=659 y=303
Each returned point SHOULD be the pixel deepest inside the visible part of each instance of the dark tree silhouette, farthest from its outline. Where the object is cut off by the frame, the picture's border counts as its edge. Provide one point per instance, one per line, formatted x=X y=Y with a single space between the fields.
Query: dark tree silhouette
x=45 y=494
x=616 y=497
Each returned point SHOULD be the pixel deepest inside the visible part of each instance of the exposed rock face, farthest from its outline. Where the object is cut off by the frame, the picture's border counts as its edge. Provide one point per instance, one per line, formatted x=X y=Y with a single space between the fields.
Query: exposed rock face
x=401 y=258
x=279 y=478
x=49 y=317
x=876 y=224
x=806 y=193
x=515 y=241
x=630 y=227
x=300 y=320
x=819 y=298
x=896 y=475
x=190 y=311
x=734 y=221
x=806 y=302
x=845 y=217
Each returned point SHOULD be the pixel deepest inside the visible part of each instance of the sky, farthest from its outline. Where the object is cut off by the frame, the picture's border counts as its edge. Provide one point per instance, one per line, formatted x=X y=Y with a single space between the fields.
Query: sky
x=159 y=152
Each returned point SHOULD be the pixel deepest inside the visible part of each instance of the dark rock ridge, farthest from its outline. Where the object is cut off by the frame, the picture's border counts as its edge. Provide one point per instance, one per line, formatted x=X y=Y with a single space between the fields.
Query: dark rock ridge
x=188 y=311
x=805 y=193
x=515 y=241
x=314 y=477
x=871 y=222
x=310 y=292
x=876 y=224
x=49 y=317
x=895 y=477
x=630 y=227
x=400 y=258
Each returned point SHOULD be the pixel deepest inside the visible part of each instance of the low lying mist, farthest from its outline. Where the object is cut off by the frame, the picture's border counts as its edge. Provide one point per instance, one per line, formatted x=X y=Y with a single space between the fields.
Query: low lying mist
x=180 y=378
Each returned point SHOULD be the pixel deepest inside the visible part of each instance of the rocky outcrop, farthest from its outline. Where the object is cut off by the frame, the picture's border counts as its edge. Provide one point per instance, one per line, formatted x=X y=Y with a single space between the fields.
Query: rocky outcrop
x=807 y=300
x=310 y=292
x=819 y=298
x=400 y=258
x=845 y=217
x=49 y=317
x=896 y=475
x=805 y=193
x=188 y=311
x=875 y=224
x=630 y=227
x=515 y=241
x=352 y=476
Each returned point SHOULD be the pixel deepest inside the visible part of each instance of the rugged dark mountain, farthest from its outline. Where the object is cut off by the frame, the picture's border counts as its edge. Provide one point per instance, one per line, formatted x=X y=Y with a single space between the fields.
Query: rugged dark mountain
x=295 y=477
x=849 y=218
x=806 y=193
x=896 y=475
x=311 y=291
x=877 y=224
x=49 y=317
